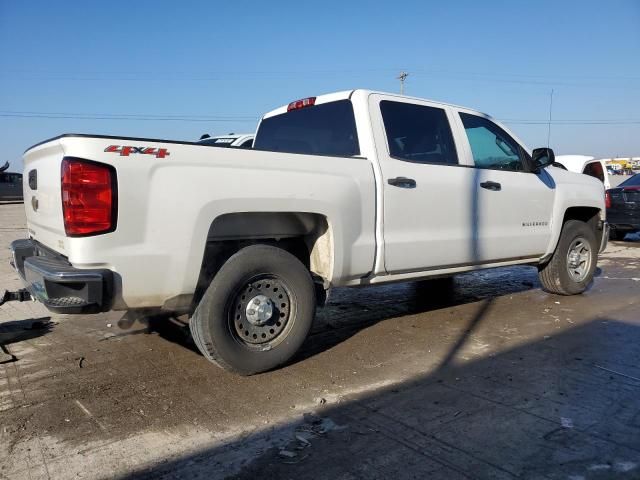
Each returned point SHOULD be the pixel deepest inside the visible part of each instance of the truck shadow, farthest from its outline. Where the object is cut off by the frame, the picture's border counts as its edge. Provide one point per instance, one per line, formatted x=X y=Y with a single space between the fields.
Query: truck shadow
x=563 y=406
x=21 y=330
x=351 y=310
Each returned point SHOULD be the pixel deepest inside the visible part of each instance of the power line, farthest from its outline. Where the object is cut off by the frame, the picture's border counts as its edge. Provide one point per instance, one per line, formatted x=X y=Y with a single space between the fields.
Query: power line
x=572 y=122
x=205 y=74
x=146 y=115
x=576 y=80
x=142 y=117
x=245 y=117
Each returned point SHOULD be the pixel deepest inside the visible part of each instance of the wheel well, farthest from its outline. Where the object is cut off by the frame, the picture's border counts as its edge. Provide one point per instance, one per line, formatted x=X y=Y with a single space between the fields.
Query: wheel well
x=307 y=236
x=589 y=215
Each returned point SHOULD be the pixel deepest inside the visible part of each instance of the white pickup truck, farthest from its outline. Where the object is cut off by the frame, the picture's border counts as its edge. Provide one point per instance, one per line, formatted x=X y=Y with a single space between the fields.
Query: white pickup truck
x=346 y=189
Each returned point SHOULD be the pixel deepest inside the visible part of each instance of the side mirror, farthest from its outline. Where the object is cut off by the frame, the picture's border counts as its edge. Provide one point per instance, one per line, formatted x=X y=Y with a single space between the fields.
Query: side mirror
x=542 y=157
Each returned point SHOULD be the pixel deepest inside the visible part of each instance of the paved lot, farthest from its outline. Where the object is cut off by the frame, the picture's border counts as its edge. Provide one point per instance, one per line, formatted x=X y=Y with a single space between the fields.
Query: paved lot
x=616 y=180
x=494 y=379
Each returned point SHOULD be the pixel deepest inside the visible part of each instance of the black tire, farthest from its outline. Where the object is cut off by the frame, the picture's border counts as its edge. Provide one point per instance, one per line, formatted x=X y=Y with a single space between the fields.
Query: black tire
x=555 y=275
x=222 y=317
x=615 y=234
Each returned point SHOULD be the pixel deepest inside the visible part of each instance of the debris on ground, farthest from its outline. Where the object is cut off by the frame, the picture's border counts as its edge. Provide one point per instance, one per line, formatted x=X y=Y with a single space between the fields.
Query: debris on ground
x=287 y=454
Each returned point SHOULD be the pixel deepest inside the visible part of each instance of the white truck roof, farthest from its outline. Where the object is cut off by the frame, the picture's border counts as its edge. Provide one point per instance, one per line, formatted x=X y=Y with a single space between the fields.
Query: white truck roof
x=574 y=163
x=578 y=163
x=346 y=94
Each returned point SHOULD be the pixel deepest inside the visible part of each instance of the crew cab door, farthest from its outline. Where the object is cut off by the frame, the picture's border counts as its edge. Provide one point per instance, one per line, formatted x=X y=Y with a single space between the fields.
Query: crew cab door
x=514 y=207
x=427 y=222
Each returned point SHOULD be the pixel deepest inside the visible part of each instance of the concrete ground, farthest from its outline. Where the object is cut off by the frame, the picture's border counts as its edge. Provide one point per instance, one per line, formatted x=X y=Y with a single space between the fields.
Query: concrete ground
x=616 y=180
x=491 y=379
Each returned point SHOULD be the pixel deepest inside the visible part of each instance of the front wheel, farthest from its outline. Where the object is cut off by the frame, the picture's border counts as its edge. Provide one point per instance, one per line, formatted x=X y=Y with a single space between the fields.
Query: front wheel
x=571 y=268
x=256 y=312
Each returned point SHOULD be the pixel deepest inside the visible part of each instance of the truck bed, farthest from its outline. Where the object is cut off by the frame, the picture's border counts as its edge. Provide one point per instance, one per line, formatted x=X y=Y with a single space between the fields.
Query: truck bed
x=170 y=193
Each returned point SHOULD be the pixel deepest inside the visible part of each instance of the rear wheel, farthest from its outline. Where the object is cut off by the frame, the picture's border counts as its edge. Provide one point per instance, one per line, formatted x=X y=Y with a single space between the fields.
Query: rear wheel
x=571 y=268
x=256 y=312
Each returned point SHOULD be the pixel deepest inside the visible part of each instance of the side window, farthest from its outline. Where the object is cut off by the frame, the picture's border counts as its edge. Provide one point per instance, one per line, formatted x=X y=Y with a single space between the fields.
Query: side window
x=417 y=133
x=4 y=178
x=491 y=146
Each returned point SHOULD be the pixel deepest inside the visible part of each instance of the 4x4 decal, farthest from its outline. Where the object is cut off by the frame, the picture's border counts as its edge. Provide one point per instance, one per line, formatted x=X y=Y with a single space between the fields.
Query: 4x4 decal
x=126 y=150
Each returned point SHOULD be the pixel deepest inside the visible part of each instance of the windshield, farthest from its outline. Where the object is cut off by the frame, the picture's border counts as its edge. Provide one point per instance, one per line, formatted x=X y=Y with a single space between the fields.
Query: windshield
x=326 y=129
x=631 y=182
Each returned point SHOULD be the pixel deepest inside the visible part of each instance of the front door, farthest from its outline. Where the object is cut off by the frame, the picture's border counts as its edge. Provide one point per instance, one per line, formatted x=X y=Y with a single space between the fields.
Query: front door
x=514 y=207
x=426 y=192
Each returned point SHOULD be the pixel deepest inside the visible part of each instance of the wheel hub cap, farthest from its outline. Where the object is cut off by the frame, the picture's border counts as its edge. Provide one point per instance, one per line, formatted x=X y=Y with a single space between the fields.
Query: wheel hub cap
x=579 y=259
x=259 y=310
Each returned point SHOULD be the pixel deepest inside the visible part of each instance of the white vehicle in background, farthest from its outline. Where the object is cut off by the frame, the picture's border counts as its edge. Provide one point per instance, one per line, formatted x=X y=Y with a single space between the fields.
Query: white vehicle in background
x=587 y=165
x=233 y=140
x=346 y=189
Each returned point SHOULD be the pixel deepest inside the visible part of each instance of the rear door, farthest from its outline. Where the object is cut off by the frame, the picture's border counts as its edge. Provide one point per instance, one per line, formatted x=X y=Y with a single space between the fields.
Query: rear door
x=514 y=206
x=427 y=221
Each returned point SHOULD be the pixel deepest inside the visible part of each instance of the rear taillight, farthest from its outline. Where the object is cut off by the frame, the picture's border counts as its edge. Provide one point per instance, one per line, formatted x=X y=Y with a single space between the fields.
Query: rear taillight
x=88 y=197
x=607 y=199
x=298 y=104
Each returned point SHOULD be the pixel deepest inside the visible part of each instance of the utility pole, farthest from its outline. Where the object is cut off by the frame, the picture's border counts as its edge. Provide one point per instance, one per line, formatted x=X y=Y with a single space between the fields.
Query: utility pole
x=550 y=112
x=402 y=77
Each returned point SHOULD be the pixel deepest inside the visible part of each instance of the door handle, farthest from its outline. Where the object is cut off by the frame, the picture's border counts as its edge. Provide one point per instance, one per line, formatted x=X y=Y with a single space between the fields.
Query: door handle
x=402 y=182
x=494 y=186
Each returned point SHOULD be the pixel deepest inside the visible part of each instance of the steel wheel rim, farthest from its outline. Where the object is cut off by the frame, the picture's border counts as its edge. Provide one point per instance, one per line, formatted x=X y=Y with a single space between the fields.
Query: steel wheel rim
x=579 y=259
x=266 y=333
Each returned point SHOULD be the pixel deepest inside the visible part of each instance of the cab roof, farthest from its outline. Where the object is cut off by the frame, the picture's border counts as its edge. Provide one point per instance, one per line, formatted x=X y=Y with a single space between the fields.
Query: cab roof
x=347 y=94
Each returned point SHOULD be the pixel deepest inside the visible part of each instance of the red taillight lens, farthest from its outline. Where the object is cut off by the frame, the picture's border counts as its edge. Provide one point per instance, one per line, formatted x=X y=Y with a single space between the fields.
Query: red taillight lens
x=607 y=199
x=88 y=197
x=305 y=102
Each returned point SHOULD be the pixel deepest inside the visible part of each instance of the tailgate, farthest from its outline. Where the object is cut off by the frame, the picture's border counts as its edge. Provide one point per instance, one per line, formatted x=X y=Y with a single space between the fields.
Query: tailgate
x=42 y=194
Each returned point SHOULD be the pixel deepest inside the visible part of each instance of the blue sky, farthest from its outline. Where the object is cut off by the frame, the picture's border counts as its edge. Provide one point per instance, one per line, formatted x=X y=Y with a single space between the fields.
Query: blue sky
x=147 y=63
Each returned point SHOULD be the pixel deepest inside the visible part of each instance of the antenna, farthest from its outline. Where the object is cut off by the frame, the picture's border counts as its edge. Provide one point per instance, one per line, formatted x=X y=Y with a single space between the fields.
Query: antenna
x=402 y=77
x=550 y=112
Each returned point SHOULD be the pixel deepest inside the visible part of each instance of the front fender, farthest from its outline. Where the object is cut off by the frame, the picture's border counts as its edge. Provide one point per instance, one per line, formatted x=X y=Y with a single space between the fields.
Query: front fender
x=572 y=190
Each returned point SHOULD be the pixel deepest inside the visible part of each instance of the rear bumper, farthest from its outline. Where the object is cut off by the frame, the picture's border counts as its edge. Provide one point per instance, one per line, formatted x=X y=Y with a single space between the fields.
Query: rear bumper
x=52 y=280
x=624 y=217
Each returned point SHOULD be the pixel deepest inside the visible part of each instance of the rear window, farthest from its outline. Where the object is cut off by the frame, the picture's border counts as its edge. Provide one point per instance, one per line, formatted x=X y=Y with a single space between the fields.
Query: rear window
x=631 y=182
x=326 y=129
